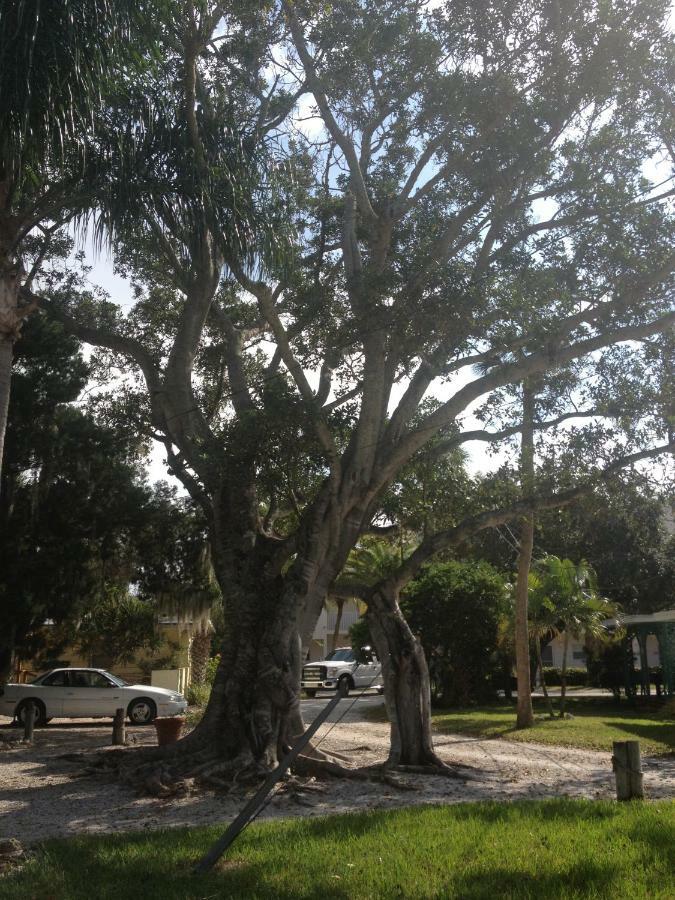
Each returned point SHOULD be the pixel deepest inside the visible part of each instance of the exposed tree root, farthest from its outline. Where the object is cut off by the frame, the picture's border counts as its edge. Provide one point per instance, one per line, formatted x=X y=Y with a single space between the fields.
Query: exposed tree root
x=180 y=768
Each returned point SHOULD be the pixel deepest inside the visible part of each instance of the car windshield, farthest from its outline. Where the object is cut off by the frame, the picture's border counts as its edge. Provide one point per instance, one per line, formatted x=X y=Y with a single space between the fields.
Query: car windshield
x=344 y=655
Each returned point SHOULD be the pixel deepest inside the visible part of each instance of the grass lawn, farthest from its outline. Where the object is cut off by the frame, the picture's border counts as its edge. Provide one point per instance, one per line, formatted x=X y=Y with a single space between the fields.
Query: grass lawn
x=596 y=724
x=553 y=849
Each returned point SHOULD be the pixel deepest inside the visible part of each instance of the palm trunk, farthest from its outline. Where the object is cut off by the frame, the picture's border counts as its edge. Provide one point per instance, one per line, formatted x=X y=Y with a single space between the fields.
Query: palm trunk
x=200 y=651
x=406 y=681
x=525 y=715
x=540 y=666
x=563 y=674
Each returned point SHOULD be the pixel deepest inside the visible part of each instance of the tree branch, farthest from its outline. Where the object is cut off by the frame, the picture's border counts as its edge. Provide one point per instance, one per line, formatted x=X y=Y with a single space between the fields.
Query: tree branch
x=451 y=537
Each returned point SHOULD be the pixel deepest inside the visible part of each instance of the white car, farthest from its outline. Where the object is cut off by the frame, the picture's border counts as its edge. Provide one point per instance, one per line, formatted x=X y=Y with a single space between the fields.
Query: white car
x=88 y=693
x=341 y=668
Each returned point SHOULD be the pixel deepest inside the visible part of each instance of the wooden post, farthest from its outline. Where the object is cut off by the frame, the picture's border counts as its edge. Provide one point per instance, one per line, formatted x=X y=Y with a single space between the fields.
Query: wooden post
x=627 y=770
x=119 y=736
x=29 y=721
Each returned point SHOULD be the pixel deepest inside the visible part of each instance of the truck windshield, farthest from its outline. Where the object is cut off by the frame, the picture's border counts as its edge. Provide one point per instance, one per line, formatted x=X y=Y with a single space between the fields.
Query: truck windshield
x=344 y=655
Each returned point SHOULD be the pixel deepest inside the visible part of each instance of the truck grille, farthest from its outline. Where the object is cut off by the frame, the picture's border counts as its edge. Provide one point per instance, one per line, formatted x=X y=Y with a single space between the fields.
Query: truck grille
x=314 y=673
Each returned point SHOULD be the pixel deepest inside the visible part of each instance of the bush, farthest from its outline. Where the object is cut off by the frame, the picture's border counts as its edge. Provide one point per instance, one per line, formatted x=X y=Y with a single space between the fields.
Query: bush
x=575 y=677
x=198 y=694
x=456 y=609
x=211 y=668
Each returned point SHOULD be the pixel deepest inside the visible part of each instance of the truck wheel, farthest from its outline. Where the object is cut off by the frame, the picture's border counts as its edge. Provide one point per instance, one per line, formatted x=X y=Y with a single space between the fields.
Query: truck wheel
x=344 y=684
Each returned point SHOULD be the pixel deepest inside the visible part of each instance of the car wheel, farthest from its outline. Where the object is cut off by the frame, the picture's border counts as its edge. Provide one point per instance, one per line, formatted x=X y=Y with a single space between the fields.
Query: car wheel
x=380 y=689
x=310 y=692
x=344 y=685
x=40 y=717
x=141 y=711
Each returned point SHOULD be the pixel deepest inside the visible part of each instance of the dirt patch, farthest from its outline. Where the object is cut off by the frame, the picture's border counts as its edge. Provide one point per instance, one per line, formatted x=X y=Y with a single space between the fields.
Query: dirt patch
x=42 y=796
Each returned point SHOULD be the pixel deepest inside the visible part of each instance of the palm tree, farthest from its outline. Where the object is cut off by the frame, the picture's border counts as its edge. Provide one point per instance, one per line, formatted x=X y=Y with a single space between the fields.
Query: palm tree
x=542 y=624
x=575 y=603
x=55 y=62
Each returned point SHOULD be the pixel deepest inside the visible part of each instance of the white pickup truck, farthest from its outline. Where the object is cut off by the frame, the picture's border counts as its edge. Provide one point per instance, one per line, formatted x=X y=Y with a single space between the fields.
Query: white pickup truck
x=342 y=668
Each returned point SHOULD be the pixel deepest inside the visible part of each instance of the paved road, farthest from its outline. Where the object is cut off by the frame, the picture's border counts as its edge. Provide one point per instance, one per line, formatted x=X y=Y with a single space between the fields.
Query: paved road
x=352 y=707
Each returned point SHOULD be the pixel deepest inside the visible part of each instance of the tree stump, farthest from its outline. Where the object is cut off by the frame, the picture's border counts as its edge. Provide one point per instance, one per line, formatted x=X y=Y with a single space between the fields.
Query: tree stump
x=627 y=770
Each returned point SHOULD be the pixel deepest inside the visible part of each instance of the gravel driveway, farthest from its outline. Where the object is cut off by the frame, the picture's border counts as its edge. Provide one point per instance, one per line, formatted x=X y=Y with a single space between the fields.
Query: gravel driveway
x=43 y=797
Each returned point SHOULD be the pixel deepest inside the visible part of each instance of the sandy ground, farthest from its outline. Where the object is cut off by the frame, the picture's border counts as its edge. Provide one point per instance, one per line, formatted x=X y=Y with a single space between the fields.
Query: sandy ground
x=43 y=797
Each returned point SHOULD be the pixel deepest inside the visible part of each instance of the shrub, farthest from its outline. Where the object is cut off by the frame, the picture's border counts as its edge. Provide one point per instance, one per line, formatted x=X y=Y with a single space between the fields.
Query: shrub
x=456 y=609
x=211 y=668
x=198 y=694
x=575 y=677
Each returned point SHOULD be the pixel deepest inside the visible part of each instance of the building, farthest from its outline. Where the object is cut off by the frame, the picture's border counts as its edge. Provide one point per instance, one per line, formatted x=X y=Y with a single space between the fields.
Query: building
x=167 y=665
x=651 y=644
x=323 y=640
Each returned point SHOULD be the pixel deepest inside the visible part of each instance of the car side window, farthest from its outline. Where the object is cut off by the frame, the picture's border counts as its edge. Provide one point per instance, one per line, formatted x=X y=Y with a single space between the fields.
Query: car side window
x=56 y=679
x=80 y=679
x=98 y=681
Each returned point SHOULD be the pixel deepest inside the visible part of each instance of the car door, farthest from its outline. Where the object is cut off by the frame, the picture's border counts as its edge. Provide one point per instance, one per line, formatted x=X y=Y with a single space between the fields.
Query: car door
x=51 y=691
x=90 y=693
x=369 y=669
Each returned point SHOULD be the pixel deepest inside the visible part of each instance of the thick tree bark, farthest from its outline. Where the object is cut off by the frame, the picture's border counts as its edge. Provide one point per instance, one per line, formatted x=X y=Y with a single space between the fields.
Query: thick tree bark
x=338 y=621
x=525 y=716
x=6 y=355
x=406 y=681
x=10 y=324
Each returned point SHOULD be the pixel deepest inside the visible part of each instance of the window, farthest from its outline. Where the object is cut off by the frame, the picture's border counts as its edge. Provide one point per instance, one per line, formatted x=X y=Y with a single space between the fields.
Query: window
x=579 y=655
x=343 y=655
x=56 y=679
x=547 y=655
x=83 y=678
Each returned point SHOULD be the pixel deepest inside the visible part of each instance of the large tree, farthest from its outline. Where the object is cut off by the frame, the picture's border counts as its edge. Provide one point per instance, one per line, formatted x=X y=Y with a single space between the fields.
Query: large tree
x=475 y=193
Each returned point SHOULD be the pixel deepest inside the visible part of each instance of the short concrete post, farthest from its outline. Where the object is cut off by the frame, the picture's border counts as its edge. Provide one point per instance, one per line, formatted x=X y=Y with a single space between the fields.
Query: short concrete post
x=119 y=732
x=627 y=770
x=29 y=721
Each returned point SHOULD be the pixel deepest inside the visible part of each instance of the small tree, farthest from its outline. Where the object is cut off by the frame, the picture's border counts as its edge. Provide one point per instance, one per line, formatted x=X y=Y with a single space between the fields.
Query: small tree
x=456 y=609
x=579 y=609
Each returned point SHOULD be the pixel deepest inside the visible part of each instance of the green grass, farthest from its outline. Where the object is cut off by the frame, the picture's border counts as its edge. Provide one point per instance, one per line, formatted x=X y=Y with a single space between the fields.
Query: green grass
x=596 y=723
x=558 y=849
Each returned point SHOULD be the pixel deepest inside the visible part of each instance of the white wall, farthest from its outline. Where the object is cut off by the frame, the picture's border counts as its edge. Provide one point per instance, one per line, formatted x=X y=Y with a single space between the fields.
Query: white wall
x=577 y=647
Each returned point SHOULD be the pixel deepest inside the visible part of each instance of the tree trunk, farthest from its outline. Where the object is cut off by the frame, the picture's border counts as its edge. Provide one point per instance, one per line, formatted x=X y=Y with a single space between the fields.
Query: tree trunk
x=563 y=674
x=540 y=666
x=338 y=621
x=525 y=716
x=7 y=654
x=406 y=681
x=6 y=355
x=10 y=325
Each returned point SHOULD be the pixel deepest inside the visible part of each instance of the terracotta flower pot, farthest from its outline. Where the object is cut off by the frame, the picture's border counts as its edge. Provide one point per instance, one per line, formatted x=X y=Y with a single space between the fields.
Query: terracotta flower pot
x=168 y=729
